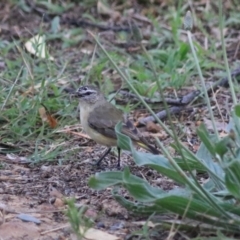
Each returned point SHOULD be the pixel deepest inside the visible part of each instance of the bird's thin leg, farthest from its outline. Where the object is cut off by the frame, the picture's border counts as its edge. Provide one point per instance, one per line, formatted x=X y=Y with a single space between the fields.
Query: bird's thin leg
x=119 y=152
x=103 y=156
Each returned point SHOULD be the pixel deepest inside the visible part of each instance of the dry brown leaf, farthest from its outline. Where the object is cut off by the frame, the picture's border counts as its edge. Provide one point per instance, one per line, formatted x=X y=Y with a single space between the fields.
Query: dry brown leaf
x=46 y=207
x=217 y=33
x=55 y=193
x=112 y=208
x=141 y=18
x=58 y=203
x=30 y=92
x=95 y=234
x=104 y=10
x=37 y=46
x=47 y=117
x=153 y=127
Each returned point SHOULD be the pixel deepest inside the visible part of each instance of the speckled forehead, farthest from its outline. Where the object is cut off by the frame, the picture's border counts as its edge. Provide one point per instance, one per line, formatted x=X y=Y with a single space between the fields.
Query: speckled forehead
x=87 y=90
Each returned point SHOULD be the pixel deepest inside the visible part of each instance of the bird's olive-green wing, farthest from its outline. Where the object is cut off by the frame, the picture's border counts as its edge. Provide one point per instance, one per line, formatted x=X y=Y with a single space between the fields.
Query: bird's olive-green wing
x=104 y=118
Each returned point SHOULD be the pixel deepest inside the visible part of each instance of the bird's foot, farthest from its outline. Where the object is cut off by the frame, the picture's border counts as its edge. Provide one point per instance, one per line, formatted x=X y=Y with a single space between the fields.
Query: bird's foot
x=97 y=165
x=118 y=166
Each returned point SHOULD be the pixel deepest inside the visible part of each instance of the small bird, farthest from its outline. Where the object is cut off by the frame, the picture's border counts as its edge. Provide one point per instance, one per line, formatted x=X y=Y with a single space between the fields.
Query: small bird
x=99 y=118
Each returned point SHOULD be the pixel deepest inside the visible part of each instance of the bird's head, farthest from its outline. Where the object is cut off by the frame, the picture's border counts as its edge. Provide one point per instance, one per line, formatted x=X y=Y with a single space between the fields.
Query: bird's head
x=88 y=94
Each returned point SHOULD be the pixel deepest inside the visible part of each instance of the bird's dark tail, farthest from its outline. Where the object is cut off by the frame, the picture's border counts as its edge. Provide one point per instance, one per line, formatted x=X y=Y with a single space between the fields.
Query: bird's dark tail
x=148 y=147
x=141 y=141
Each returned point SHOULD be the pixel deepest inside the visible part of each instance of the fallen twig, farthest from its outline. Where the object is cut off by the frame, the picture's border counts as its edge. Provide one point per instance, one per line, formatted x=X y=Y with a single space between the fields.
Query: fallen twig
x=189 y=98
x=170 y=101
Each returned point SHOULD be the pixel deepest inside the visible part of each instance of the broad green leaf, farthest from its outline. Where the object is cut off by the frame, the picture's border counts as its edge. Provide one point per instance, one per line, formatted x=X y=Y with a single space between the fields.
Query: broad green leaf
x=55 y=24
x=237 y=110
x=157 y=162
x=224 y=194
x=231 y=207
x=129 y=178
x=235 y=122
x=204 y=155
x=214 y=170
x=221 y=147
x=140 y=189
x=209 y=185
x=184 y=49
x=140 y=208
x=103 y=180
x=123 y=141
x=191 y=208
x=151 y=207
x=232 y=178
x=193 y=162
x=184 y=205
x=206 y=139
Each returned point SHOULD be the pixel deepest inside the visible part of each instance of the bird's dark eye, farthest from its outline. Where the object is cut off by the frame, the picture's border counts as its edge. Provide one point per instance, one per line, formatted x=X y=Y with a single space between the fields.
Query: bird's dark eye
x=85 y=88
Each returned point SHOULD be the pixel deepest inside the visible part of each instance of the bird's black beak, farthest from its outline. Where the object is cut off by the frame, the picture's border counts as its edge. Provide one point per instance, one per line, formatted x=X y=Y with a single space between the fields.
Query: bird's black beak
x=73 y=92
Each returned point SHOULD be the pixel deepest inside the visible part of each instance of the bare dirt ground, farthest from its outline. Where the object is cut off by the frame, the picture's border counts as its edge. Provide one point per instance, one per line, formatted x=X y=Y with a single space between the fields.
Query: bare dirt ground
x=40 y=192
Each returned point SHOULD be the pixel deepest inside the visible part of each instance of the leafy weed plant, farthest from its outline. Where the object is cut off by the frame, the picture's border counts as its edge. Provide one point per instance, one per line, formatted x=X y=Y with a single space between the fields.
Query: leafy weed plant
x=211 y=206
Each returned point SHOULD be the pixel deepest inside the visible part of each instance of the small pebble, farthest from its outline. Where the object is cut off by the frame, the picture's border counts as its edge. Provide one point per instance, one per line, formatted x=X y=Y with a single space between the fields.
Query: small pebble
x=100 y=225
x=117 y=226
x=28 y=218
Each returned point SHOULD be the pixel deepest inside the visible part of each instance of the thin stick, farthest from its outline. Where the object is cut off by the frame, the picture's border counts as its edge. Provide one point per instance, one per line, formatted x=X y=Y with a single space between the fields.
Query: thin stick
x=55 y=229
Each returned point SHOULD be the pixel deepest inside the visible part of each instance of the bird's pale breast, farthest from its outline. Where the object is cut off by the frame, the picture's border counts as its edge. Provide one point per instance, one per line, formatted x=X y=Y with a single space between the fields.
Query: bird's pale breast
x=93 y=134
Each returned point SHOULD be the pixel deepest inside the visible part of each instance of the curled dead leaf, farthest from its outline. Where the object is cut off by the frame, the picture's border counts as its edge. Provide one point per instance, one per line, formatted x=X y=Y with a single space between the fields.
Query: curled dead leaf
x=37 y=46
x=58 y=203
x=47 y=117
x=96 y=234
x=54 y=192
x=104 y=10
x=30 y=91
x=152 y=127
